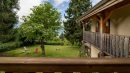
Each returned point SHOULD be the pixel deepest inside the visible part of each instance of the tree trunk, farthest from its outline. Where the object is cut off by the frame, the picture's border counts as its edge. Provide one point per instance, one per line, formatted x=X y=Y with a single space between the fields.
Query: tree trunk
x=43 y=47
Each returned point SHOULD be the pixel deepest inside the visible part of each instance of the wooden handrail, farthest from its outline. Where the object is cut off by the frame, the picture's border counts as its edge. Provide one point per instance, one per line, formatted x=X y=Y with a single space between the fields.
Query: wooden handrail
x=25 y=64
x=114 y=45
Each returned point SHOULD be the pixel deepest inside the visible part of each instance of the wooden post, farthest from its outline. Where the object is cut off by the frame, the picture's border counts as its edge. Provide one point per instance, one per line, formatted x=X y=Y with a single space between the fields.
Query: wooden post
x=101 y=31
x=83 y=27
x=103 y=19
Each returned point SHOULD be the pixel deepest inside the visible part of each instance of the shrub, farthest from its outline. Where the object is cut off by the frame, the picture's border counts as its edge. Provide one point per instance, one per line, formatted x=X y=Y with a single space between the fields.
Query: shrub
x=9 y=46
x=54 y=43
x=66 y=42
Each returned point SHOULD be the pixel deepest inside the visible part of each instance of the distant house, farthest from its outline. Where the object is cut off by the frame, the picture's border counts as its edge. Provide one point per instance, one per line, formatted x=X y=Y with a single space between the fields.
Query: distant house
x=110 y=29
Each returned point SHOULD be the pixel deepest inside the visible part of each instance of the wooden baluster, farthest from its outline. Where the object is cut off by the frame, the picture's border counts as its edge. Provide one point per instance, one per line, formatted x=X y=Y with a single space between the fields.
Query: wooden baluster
x=104 y=43
x=112 y=41
x=111 y=44
x=114 y=45
x=121 y=45
x=126 y=47
x=108 y=43
x=94 y=38
x=117 y=45
x=103 y=40
x=90 y=37
x=99 y=40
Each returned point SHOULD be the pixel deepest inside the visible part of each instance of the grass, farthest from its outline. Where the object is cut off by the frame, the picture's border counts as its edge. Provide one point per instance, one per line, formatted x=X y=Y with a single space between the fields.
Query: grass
x=51 y=51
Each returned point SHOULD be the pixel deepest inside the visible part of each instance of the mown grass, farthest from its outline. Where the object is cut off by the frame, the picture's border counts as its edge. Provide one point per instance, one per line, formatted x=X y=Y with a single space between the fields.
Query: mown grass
x=51 y=51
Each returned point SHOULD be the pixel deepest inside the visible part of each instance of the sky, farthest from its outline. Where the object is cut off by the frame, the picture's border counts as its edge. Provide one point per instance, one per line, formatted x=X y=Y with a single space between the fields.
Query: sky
x=61 y=5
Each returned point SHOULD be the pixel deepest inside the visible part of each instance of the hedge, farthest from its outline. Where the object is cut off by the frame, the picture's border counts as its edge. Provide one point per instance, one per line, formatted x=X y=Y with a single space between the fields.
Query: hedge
x=9 y=46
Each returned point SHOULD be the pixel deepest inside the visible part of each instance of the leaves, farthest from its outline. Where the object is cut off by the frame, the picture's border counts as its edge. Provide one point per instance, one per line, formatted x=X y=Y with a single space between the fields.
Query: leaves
x=8 y=18
x=73 y=30
x=43 y=22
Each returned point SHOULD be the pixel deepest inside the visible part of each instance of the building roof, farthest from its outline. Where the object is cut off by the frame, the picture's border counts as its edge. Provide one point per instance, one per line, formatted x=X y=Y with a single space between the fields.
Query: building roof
x=101 y=6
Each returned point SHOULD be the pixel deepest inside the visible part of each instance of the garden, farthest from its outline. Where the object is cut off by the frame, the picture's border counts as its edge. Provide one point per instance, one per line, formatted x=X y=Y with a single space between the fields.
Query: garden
x=41 y=33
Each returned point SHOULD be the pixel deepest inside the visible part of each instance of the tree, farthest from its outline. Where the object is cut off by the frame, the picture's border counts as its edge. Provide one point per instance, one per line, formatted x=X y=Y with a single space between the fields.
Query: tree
x=42 y=24
x=73 y=30
x=8 y=18
x=61 y=36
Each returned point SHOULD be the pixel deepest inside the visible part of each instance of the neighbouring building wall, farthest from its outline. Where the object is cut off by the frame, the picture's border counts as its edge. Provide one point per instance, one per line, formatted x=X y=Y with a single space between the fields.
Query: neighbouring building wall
x=93 y=26
x=94 y=52
x=120 y=21
x=113 y=27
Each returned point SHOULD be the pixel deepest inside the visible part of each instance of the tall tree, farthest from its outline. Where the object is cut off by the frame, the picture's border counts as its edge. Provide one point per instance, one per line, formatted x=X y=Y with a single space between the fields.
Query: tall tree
x=42 y=24
x=8 y=18
x=73 y=30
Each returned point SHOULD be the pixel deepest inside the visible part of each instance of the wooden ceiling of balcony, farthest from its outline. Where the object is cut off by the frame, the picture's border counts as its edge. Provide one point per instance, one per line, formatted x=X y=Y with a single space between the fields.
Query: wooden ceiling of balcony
x=104 y=7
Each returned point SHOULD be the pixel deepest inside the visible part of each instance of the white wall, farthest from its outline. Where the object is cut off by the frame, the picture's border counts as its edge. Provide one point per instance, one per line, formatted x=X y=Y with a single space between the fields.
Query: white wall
x=93 y=26
x=120 y=21
x=94 y=52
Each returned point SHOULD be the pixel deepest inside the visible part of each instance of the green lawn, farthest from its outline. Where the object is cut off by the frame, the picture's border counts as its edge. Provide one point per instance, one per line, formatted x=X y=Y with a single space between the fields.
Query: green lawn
x=51 y=51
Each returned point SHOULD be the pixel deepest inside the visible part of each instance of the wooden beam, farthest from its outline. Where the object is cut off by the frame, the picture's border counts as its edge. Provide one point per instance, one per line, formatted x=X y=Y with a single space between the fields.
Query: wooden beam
x=17 y=64
x=107 y=16
x=101 y=24
x=96 y=17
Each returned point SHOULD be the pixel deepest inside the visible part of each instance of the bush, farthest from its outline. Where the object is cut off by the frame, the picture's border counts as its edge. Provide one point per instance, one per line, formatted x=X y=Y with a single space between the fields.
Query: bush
x=54 y=43
x=9 y=46
x=66 y=42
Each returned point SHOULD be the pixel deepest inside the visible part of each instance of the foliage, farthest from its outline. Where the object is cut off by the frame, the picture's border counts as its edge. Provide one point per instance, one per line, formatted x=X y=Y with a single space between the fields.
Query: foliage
x=8 y=18
x=84 y=51
x=55 y=41
x=62 y=36
x=66 y=42
x=43 y=22
x=31 y=31
x=73 y=30
x=9 y=46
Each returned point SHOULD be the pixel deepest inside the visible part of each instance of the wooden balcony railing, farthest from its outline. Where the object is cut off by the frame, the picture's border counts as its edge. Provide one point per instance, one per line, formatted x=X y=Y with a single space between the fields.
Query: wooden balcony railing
x=51 y=65
x=114 y=45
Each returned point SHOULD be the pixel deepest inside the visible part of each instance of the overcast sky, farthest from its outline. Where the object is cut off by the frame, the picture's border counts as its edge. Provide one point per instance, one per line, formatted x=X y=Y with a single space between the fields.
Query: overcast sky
x=61 y=5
